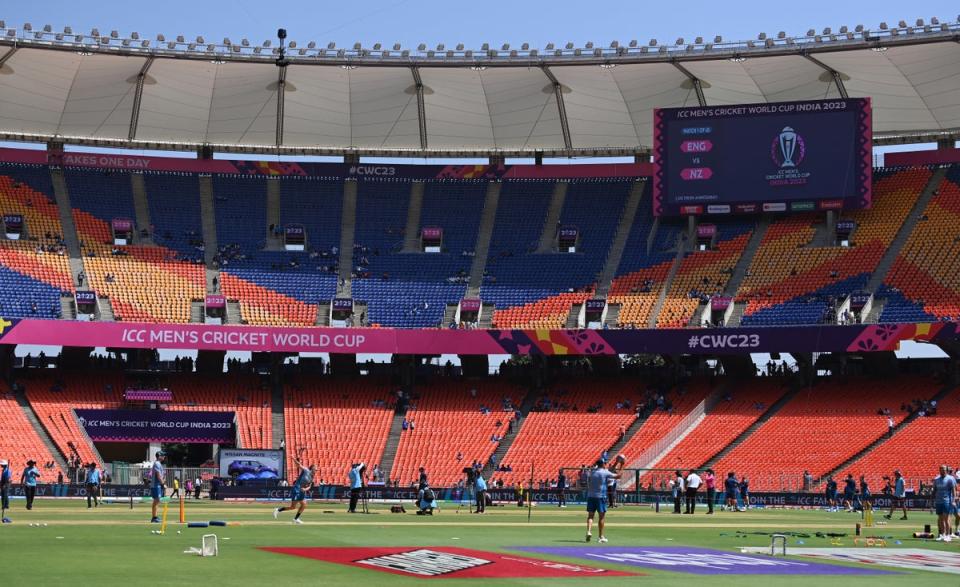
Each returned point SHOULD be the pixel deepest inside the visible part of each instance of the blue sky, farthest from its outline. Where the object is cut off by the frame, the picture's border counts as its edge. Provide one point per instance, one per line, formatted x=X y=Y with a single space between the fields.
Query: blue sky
x=411 y=22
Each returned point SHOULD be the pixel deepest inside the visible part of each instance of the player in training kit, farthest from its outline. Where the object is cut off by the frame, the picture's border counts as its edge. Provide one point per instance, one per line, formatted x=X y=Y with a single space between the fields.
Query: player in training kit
x=4 y=488
x=158 y=485
x=944 y=490
x=29 y=481
x=298 y=493
x=93 y=486
x=597 y=494
x=899 y=496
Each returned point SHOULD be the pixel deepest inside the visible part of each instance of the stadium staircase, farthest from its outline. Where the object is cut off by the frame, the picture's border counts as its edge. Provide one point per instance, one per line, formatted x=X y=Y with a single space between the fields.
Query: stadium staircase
x=196 y=312
x=737 y=315
x=66 y=218
x=31 y=416
x=142 y=208
x=482 y=249
x=773 y=409
x=393 y=441
x=842 y=467
x=323 y=314
x=411 y=235
x=615 y=253
x=278 y=425
x=613 y=316
x=233 y=315
x=506 y=442
x=68 y=308
x=573 y=317
x=667 y=283
x=697 y=318
x=449 y=314
x=273 y=242
x=631 y=430
x=746 y=258
x=211 y=274
x=105 y=309
x=348 y=223
x=208 y=217
x=906 y=229
x=876 y=310
x=652 y=235
x=549 y=235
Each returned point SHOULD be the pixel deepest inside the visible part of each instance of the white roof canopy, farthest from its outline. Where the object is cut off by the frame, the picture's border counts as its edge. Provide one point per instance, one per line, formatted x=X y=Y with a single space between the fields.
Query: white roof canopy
x=557 y=107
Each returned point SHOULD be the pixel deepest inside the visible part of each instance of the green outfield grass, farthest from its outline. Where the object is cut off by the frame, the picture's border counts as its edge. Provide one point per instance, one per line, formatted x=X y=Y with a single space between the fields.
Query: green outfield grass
x=113 y=544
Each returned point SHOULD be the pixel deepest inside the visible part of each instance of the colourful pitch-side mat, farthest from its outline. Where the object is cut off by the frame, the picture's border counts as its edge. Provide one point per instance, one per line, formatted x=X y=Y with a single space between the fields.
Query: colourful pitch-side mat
x=917 y=559
x=448 y=562
x=701 y=561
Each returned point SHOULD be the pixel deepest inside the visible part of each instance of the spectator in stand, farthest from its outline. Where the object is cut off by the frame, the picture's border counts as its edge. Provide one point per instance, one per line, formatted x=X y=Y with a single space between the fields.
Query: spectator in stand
x=807 y=481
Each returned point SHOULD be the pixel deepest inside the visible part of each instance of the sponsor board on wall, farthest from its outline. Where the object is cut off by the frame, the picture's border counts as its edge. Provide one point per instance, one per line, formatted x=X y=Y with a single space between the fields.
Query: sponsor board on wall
x=445 y=562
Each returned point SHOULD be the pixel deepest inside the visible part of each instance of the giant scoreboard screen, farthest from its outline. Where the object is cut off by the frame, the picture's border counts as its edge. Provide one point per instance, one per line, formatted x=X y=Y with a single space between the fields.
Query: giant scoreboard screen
x=751 y=158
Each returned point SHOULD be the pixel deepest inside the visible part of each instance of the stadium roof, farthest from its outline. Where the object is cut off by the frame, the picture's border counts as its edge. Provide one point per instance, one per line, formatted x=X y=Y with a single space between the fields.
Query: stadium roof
x=111 y=91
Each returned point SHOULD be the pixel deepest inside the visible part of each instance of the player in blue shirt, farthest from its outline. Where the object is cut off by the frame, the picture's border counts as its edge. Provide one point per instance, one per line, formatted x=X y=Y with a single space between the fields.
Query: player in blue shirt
x=158 y=485
x=944 y=492
x=298 y=493
x=481 y=491
x=29 y=481
x=730 y=490
x=849 y=492
x=93 y=486
x=4 y=489
x=597 y=493
x=356 y=477
x=898 y=499
x=831 y=494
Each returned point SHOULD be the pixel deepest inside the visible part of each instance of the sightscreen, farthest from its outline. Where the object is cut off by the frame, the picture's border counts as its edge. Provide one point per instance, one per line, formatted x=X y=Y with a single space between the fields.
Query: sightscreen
x=751 y=158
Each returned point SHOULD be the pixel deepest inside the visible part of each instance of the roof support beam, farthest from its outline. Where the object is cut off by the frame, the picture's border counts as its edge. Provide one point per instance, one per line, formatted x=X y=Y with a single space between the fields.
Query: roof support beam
x=281 y=92
x=697 y=86
x=561 y=107
x=421 y=110
x=837 y=78
x=137 y=97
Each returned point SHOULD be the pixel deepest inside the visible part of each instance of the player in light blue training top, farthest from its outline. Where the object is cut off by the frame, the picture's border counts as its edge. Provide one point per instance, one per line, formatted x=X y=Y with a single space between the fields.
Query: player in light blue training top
x=29 y=481
x=944 y=489
x=899 y=497
x=158 y=485
x=93 y=486
x=597 y=493
x=298 y=493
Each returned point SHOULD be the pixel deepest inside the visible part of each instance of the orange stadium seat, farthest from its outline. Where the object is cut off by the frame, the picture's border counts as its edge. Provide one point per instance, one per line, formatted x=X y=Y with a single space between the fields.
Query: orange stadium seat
x=336 y=424
x=447 y=421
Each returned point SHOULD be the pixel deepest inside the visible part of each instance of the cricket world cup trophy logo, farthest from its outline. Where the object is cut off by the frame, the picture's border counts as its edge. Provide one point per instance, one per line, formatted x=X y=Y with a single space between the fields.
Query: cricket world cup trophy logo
x=788 y=148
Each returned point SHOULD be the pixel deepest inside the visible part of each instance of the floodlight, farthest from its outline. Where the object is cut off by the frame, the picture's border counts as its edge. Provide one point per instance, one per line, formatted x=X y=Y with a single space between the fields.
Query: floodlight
x=505 y=47
x=171 y=45
x=200 y=40
x=191 y=46
x=577 y=52
x=768 y=43
x=679 y=41
x=533 y=52
x=161 y=38
x=47 y=28
x=513 y=53
x=396 y=46
x=633 y=43
x=933 y=20
x=124 y=43
x=811 y=33
x=485 y=46
x=589 y=45
x=653 y=42
x=312 y=45
x=245 y=42
x=78 y=39
x=826 y=31
x=762 y=37
x=66 y=30
x=405 y=53
x=698 y=41
x=58 y=36
x=883 y=26
x=525 y=47
x=3 y=24
x=113 y=34
x=29 y=27
x=468 y=53
x=919 y=22
x=441 y=47
x=430 y=54
x=558 y=52
x=357 y=46
x=459 y=46
x=718 y=39
x=180 y=39
x=210 y=48
x=902 y=24
x=422 y=47
x=549 y=47
x=135 y=36
x=782 y=35
x=858 y=28
x=450 y=53
x=267 y=43
x=377 y=46
x=568 y=46
x=256 y=50
x=104 y=40
x=145 y=44
x=843 y=30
